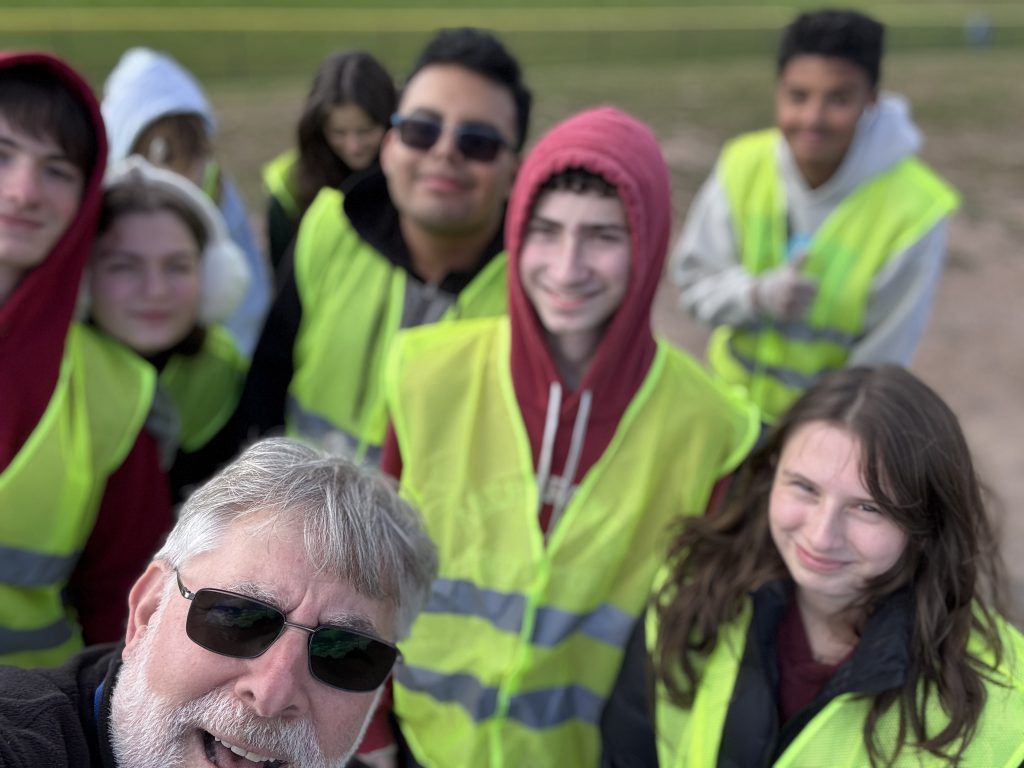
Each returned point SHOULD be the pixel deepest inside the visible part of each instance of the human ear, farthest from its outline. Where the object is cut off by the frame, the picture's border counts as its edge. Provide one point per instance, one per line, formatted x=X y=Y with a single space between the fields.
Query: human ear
x=143 y=601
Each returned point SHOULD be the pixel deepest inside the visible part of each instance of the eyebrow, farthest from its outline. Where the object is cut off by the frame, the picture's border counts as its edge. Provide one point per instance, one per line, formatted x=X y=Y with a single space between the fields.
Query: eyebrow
x=353 y=621
x=12 y=143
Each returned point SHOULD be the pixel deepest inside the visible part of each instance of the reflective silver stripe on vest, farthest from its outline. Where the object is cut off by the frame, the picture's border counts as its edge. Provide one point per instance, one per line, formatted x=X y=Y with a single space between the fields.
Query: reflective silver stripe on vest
x=535 y=709
x=786 y=376
x=19 y=640
x=606 y=623
x=505 y=611
x=22 y=568
x=801 y=332
x=328 y=436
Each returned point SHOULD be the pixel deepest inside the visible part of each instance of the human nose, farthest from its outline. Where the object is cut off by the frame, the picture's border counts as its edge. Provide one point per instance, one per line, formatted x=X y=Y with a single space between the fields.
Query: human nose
x=275 y=683
x=826 y=527
x=569 y=259
x=155 y=283
x=22 y=183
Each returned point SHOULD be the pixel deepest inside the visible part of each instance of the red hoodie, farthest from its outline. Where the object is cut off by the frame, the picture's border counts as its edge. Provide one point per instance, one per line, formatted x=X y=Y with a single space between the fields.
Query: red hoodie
x=34 y=322
x=625 y=153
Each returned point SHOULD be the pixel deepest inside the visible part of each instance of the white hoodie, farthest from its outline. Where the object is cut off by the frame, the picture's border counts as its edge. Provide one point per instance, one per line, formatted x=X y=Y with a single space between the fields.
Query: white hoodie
x=716 y=288
x=145 y=86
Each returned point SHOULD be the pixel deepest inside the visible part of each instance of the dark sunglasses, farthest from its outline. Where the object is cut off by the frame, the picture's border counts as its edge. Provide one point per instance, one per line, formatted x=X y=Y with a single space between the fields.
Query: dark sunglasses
x=475 y=141
x=244 y=628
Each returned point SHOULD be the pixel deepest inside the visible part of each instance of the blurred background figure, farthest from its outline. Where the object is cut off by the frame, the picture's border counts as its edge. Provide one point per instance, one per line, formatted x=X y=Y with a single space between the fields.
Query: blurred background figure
x=83 y=503
x=819 y=243
x=153 y=107
x=844 y=607
x=343 y=122
x=163 y=275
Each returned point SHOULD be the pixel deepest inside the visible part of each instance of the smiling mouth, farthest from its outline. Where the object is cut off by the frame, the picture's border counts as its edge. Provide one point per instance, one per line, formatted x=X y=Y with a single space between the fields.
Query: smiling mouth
x=223 y=754
x=818 y=563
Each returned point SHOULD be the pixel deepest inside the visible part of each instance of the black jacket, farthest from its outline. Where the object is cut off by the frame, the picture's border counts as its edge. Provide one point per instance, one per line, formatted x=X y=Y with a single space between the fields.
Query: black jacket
x=59 y=718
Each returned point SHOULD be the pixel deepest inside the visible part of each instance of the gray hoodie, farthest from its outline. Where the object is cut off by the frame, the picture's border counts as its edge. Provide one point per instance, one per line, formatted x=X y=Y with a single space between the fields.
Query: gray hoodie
x=716 y=289
x=145 y=86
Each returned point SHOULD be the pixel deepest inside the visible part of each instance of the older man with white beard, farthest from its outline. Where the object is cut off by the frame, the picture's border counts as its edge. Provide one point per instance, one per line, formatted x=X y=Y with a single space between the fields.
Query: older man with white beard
x=261 y=633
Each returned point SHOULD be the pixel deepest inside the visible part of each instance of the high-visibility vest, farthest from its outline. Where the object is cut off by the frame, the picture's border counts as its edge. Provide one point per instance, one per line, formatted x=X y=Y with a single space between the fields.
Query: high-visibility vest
x=205 y=387
x=278 y=179
x=515 y=655
x=834 y=738
x=50 y=493
x=352 y=300
x=775 y=362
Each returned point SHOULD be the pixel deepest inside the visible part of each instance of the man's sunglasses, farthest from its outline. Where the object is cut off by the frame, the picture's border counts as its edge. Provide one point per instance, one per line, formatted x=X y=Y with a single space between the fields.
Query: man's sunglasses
x=244 y=628
x=475 y=141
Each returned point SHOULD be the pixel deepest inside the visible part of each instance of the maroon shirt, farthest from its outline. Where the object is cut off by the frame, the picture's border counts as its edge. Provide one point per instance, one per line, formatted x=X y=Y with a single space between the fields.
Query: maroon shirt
x=801 y=678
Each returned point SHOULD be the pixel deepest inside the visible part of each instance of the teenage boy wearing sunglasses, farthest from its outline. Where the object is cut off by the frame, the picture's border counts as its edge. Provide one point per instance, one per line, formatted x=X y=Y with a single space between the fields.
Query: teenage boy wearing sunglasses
x=261 y=633
x=415 y=242
x=549 y=451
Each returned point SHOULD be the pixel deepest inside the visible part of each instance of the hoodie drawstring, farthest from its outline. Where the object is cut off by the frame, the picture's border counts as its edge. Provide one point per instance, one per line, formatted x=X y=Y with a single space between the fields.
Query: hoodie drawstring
x=579 y=432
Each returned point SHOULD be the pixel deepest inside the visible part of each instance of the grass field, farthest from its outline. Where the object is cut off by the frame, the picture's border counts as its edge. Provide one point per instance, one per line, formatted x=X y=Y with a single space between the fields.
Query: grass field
x=703 y=74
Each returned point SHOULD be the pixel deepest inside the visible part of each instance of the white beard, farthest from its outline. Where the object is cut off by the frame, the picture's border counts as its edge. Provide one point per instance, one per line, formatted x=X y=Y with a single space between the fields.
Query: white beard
x=149 y=732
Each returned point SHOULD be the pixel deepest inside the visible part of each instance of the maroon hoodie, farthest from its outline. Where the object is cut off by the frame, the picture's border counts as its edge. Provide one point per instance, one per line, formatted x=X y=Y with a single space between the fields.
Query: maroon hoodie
x=34 y=322
x=625 y=153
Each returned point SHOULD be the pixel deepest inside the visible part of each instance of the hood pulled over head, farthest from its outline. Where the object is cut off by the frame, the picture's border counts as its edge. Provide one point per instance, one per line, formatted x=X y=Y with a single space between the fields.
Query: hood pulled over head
x=625 y=153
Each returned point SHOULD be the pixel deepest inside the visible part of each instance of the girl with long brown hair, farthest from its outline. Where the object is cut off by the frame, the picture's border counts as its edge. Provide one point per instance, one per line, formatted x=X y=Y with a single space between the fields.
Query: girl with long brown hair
x=841 y=609
x=343 y=121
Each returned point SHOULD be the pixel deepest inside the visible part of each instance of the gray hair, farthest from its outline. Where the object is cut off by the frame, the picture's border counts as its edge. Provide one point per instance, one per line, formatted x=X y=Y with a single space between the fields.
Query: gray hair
x=354 y=524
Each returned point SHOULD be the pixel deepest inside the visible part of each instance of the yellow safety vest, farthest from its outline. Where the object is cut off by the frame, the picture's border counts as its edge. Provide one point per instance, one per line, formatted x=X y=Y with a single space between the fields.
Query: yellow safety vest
x=513 y=659
x=51 y=491
x=775 y=362
x=834 y=738
x=279 y=182
x=205 y=387
x=352 y=300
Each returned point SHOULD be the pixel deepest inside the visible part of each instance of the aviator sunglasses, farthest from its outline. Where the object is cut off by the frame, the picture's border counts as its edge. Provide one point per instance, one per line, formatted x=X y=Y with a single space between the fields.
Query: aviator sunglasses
x=244 y=628
x=475 y=141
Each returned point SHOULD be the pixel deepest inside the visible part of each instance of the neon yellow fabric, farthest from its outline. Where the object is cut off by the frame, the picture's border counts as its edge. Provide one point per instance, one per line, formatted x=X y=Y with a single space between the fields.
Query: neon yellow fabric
x=834 y=737
x=352 y=299
x=277 y=179
x=776 y=362
x=51 y=491
x=205 y=387
x=513 y=659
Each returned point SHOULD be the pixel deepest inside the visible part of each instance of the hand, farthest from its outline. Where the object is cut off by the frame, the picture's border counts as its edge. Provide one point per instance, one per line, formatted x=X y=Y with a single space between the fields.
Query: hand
x=784 y=293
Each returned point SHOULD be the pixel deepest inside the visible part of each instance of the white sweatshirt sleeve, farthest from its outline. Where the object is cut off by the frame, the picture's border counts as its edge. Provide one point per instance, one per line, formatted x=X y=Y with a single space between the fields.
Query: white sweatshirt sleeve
x=705 y=262
x=901 y=299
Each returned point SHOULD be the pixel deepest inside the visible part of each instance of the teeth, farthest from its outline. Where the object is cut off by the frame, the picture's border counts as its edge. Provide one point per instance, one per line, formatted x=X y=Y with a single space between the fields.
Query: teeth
x=251 y=756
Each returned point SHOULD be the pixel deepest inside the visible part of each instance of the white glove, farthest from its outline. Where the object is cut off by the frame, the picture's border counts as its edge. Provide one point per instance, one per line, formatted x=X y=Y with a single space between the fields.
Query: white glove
x=784 y=293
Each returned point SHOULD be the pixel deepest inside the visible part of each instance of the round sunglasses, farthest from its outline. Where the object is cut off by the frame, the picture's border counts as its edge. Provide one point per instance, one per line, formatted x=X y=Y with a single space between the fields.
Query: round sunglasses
x=474 y=141
x=243 y=627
